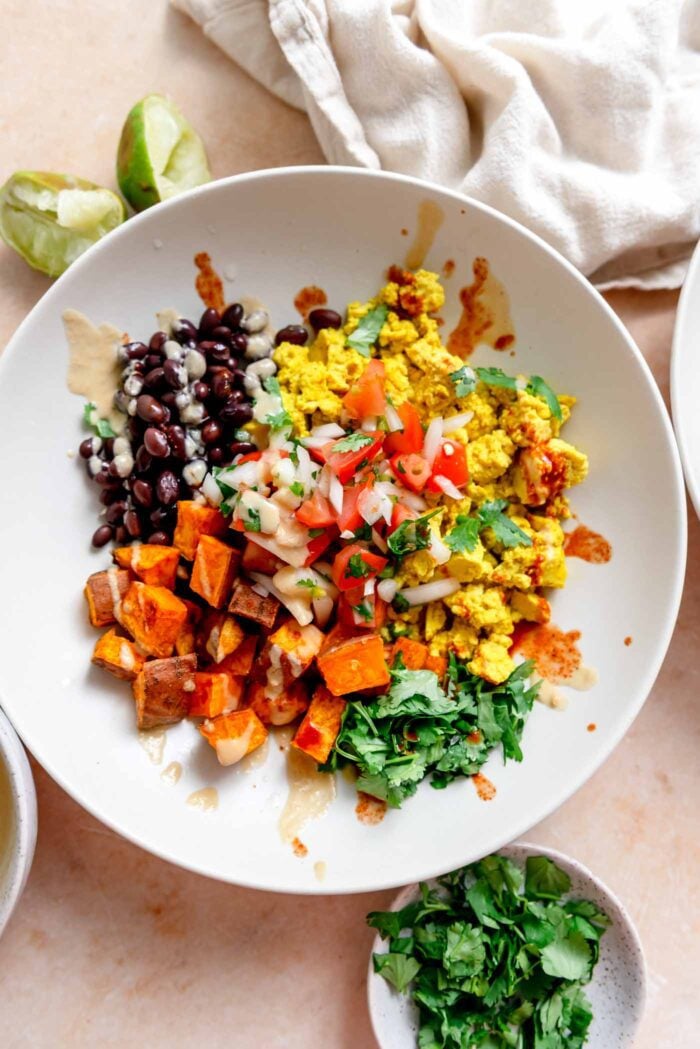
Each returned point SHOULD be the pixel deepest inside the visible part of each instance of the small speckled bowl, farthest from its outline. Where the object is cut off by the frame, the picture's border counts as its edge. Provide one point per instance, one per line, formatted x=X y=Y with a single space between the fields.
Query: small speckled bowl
x=617 y=991
x=17 y=846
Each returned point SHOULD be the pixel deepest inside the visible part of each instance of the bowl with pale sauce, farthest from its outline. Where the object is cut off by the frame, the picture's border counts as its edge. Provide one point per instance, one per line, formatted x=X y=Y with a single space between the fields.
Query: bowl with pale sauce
x=18 y=820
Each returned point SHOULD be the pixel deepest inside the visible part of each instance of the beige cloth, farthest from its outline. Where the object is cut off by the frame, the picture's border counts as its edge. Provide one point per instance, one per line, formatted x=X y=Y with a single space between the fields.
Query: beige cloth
x=579 y=119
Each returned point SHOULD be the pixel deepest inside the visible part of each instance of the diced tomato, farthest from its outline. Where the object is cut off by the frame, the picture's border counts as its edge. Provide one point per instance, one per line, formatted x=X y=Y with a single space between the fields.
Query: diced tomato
x=399 y=514
x=372 y=616
x=349 y=518
x=316 y=512
x=367 y=397
x=369 y=565
x=251 y=457
x=346 y=464
x=411 y=470
x=450 y=462
x=318 y=544
x=410 y=439
x=238 y=525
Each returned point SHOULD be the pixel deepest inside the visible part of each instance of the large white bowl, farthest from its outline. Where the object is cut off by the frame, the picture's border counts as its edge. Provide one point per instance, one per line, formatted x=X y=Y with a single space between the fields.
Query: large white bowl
x=685 y=378
x=17 y=851
x=338 y=228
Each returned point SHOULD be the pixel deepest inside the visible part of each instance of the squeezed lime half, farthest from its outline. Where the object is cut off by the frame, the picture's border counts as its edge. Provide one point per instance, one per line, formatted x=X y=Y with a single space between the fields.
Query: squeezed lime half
x=51 y=219
x=160 y=154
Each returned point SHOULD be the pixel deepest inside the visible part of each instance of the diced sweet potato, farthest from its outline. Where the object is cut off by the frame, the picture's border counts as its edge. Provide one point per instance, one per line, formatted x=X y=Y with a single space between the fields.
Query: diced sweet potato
x=220 y=635
x=118 y=655
x=438 y=664
x=290 y=651
x=234 y=735
x=275 y=706
x=104 y=592
x=186 y=640
x=414 y=654
x=163 y=691
x=321 y=724
x=193 y=521
x=215 y=567
x=154 y=617
x=240 y=663
x=215 y=694
x=255 y=559
x=156 y=565
x=354 y=665
x=261 y=608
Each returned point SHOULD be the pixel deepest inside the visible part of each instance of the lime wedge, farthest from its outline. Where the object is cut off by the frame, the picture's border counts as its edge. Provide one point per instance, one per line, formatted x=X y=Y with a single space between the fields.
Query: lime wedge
x=52 y=219
x=160 y=154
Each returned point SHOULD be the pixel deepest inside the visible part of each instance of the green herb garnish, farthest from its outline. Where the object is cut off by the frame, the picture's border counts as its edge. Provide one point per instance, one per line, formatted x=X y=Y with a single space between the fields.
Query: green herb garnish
x=297 y=488
x=400 y=604
x=363 y=611
x=496 y=377
x=539 y=388
x=465 y=534
x=363 y=532
x=411 y=535
x=352 y=443
x=102 y=427
x=252 y=519
x=367 y=331
x=357 y=567
x=464 y=380
x=314 y=533
x=491 y=960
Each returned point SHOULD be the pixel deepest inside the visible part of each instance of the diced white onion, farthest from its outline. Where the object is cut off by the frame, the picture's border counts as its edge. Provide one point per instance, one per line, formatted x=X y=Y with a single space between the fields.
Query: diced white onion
x=379 y=541
x=373 y=503
x=456 y=422
x=299 y=609
x=259 y=589
x=369 y=424
x=335 y=494
x=439 y=551
x=393 y=419
x=283 y=473
x=212 y=491
x=291 y=555
x=368 y=587
x=347 y=534
x=305 y=467
x=269 y=514
x=427 y=592
x=387 y=589
x=413 y=501
x=388 y=488
x=323 y=609
x=246 y=473
x=323 y=481
x=447 y=486
x=431 y=442
x=329 y=431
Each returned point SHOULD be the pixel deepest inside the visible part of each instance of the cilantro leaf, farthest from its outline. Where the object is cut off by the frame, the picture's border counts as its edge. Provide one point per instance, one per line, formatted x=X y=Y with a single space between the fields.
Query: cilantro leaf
x=544 y=879
x=464 y=380
x=297 y=488
x=314 y=533
x=363 y=611
x=400 y=604
x=252 y=519
x=496 y=377
x=491 y=515
x=367 y=331
x=539 y=388
x=398 y=969
x=568 y=958
x=357 y=567
x=465 y=534
x=411 y=535
x=102 y=427
x=353 y=442
x=272 y=385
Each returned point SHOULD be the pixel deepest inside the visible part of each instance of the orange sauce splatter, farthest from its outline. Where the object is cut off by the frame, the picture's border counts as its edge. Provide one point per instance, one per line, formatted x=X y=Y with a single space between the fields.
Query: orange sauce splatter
x=308 y=298
x=430 y=218
x=485 y=314
x=404 y=232
x=448 y=268
x=484 y=787
x=410 y=303
x=208 y=283
x=474 y=737
x=555 y=652
x=628 y=641
x=299 y=848
x=592 y=727
x=369 y=810
x=590 y=546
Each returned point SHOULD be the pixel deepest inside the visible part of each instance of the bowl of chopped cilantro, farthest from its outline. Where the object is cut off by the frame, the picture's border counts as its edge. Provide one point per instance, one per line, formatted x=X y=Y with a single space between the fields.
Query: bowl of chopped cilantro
x=524 y=949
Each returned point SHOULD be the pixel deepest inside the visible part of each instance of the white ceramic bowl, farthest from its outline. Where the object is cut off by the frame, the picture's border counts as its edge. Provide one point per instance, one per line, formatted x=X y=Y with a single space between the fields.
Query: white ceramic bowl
x=685 y=378
x=276 y=232
x=18 y=809
x=617 y=990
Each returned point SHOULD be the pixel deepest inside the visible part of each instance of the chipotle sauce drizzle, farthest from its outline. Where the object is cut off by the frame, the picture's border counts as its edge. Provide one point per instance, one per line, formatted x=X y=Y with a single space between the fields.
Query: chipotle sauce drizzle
x=208 y=283
x=308 y=298
x=485 y=314
x=555 y=653
x=430 y=218
x=484 y=787
x=590 y=546
x=369 y=810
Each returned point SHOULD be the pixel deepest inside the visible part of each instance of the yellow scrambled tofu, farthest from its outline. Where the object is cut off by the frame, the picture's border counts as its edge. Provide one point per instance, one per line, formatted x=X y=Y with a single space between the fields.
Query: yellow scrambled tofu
x=514 y=453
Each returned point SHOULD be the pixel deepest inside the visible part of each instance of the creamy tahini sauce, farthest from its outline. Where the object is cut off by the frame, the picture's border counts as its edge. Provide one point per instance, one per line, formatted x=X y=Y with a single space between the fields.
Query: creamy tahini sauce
x=310 y=794
x=93 y=366
x=206 y=799
x=320 y=870
x=230 y=751
x=430 y=218
x=172 y=772
x=167 y=318
x=153 y=742
x=7 y=821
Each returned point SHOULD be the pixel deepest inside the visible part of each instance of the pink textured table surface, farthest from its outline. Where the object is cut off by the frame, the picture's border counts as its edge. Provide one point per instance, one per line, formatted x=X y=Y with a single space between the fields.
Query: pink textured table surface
x=115 y=948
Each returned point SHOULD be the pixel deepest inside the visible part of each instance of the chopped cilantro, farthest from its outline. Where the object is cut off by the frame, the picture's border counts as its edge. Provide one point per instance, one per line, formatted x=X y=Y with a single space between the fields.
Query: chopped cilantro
x=352 y=443
x=411 y=535
x=539 y=388
x=102 y=427
x=363 y=611
x=465 y=534
x=400 y=604
x=297 y=488
x=464 y=380
x=312 y=586
x=252 y=519
x=314 y=533
x=363 y=532
x=271 y=385
x=357 y=567
x=367 y=331
x=496 y=377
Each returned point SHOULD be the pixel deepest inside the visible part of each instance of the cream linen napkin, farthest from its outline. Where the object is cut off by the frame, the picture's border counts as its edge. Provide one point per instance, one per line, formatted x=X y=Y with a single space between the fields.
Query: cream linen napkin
x=579 y=119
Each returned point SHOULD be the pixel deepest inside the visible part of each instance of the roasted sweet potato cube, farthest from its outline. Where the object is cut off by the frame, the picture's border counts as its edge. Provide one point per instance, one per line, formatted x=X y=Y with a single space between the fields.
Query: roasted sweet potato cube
x=255 y=559
x=215 y=694
x=321 y=725
x=354 y=665
x=215 y=567
x=240 y=663
x=413 y=653
x=438 y=664
x=118 y=655
x=193 y=521
x=291 y=650
x=261 y=608
x=234 y=735
x=186 y=640
x=220 y=635
x=277 y=706
x=156 y=565
x=154 y=617
x=163 y=691
x=104 y=592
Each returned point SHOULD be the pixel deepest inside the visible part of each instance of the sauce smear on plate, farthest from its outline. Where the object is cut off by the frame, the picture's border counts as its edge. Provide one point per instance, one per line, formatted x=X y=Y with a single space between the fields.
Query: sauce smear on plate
x=590 y=546
x=485 y=314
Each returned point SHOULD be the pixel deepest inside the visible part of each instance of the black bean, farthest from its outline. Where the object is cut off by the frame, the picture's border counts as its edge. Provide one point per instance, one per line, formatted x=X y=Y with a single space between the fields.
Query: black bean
x=142 y=460
x=294 y=333
x=115 y=512
x=215 y=455
x=108 y=447
x=232 y=316
x=136 y=351
x=159 y=517
x=241 y=448
x=154 y=360
x=221 y=334
x=156 y=443
x=324 y=319
x=113 y=471
x=132 y=524
x=209 y=320
x=176 y=436
x=185 y=332
x=166 y=413
x=159 y=539
x=211 y=431
x=110 y=495
x=103 y=535
x=158 y=341
x=175 y=375
x=168 y=487
x=168 y=398
x=238 y=415
x=154 y=378
x=239 y=378
x=238 y=343
x=103 y=477
x=134 y=429
x=85 y=449
x=142 y=492
x=222 y=385
x=200 y=390
x=148 y=409
x=214 y=351
x=120 y=534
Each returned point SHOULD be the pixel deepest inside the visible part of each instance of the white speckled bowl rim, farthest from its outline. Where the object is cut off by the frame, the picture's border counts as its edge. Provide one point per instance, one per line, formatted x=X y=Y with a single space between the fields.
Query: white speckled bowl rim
x=617 y=991
x=23 y=795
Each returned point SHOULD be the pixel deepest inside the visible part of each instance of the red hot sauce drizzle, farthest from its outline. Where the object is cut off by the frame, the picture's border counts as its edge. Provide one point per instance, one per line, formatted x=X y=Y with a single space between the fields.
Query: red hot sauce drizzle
x=554 y=652
x=485 y=314
x=208 y=283
x=369 y=810
x=308 y=299
x=484 y=787
x=590 y=546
